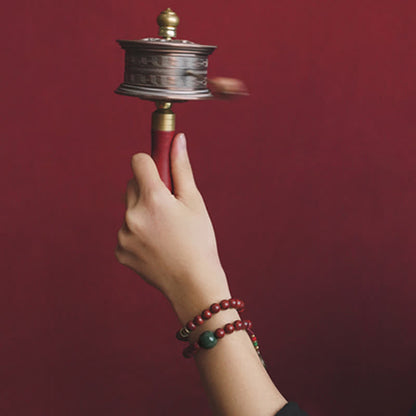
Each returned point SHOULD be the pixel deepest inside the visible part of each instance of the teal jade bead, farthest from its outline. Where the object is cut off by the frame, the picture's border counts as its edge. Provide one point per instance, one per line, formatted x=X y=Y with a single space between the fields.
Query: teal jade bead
x=207 y=340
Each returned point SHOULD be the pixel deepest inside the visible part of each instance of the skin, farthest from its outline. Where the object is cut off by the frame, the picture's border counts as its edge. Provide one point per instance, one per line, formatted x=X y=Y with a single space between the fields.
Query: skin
x=168 y=239
x=227 y=88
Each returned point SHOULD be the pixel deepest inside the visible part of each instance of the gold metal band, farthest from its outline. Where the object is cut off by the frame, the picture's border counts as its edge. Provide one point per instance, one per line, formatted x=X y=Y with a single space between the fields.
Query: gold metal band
x=163 y=119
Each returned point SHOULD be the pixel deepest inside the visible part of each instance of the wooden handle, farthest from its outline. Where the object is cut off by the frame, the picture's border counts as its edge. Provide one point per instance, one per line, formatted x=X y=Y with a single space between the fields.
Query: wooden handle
x=161 y=144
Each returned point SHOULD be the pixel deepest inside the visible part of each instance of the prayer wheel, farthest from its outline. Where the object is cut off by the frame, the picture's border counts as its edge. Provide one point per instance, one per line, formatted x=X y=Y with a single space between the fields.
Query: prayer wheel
x=165 y=70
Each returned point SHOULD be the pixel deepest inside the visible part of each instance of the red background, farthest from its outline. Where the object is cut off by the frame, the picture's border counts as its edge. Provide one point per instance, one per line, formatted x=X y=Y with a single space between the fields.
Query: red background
x=310 y=183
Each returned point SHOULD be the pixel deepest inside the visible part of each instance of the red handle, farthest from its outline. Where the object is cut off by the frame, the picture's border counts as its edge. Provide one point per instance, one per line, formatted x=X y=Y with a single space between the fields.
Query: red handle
x=161 y=144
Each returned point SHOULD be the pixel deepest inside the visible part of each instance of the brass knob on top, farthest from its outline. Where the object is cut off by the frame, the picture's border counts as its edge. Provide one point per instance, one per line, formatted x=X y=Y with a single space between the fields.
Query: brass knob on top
x=168 y=21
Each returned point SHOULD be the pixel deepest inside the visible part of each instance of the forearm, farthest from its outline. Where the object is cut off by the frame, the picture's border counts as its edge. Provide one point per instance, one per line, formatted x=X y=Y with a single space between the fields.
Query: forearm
x=232 y=374
x=235 y=379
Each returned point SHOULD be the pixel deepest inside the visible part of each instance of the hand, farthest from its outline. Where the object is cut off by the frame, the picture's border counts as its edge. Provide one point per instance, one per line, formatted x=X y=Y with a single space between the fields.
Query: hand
x=227 y=88
x=168 y=239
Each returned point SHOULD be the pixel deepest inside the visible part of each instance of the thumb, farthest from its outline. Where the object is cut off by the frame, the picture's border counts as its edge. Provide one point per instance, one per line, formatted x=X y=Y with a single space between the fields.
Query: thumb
x=182 y=176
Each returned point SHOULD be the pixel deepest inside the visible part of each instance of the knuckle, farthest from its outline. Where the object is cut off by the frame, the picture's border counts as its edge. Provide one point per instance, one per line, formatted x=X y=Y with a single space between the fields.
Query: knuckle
x=197 y=194
x=154 y=198
x=120 y=256
x=121 y=239
x=118 y=252
x=197 y=197
x=131 y=183
x=131 y=220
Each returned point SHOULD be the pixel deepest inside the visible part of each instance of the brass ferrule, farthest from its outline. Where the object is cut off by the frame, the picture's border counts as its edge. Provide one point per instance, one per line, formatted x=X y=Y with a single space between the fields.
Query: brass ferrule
x=163 y=119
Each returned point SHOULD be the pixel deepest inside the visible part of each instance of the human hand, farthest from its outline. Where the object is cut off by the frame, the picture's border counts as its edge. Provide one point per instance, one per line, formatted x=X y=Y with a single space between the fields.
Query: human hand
x=168 y=239
x=227 y=88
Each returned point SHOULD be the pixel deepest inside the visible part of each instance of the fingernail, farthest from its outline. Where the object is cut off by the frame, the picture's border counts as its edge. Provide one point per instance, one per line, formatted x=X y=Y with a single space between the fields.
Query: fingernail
x=182 y=141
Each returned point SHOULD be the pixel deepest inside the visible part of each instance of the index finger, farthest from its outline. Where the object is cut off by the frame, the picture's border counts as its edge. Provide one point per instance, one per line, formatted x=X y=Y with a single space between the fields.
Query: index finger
x=145 y=173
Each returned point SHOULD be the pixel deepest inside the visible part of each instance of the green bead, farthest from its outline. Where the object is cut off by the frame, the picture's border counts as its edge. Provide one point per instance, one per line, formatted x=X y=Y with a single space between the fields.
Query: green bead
x=255 y=343
x=207 y=340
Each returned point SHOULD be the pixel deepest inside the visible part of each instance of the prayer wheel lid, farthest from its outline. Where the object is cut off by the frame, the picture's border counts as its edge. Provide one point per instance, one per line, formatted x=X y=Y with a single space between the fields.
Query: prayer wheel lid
x=168 y=46
x=165 y=68
x=168 y=21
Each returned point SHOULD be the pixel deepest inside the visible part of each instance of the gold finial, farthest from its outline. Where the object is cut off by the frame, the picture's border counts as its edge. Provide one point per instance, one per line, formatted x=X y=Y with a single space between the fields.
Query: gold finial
x=168 y=21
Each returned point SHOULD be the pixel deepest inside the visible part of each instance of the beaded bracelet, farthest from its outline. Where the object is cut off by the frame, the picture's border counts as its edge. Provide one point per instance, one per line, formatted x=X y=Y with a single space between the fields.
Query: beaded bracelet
x=209 y=339
x=183 y=333
x=256 y=345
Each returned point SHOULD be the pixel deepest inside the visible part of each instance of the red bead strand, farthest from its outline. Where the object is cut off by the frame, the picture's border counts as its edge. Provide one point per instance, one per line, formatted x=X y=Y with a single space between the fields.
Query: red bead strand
x=206 y=314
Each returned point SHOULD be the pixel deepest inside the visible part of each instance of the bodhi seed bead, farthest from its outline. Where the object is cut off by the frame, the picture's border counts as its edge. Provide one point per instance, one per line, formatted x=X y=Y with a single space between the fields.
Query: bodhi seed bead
x=247 y=324
x=238 y=325
x=219 y=333
x=215 y=308
x=190 y=325
x=229 y=328
x=224 y=304
x=206 y=314
x=198 y=320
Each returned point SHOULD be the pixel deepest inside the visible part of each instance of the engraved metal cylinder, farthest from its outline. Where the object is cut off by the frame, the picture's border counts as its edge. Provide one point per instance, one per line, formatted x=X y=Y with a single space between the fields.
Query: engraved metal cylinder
x=160 y=69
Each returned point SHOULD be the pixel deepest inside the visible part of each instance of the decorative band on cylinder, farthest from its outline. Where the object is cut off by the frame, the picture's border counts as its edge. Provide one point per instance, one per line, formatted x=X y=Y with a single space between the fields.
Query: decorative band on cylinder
x=163 y=120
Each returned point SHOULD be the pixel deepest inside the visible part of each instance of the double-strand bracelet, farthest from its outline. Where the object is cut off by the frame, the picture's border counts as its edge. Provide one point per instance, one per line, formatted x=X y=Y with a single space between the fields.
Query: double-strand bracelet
x=209 y=339
x=206 y=314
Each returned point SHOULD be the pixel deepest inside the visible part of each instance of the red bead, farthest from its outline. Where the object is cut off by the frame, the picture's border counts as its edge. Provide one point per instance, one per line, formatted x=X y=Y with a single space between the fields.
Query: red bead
x=190 y=325
x=215 y=308
x=187 y=353
x=198 y=320
x=229 y=328
x=238 y=325
x=219 y=333
x=238 y=304
x=224 y=304
x=190 y=350
x=233 y=303
x=247 y=324
x=206 y=314
x=241 y=307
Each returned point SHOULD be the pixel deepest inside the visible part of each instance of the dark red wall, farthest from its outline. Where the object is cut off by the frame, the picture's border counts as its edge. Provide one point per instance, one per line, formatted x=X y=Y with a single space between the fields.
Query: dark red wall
x=311 y=183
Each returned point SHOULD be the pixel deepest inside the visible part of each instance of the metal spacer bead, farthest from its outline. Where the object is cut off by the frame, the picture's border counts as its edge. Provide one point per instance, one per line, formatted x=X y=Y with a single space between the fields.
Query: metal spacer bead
x=183 y=333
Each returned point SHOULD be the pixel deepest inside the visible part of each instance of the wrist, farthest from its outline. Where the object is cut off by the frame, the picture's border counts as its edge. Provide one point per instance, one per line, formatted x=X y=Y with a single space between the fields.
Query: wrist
x=190 y=299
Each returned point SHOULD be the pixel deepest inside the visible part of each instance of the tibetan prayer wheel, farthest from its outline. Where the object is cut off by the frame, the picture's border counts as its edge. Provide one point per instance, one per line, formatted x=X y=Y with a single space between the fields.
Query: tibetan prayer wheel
x=165 y=70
